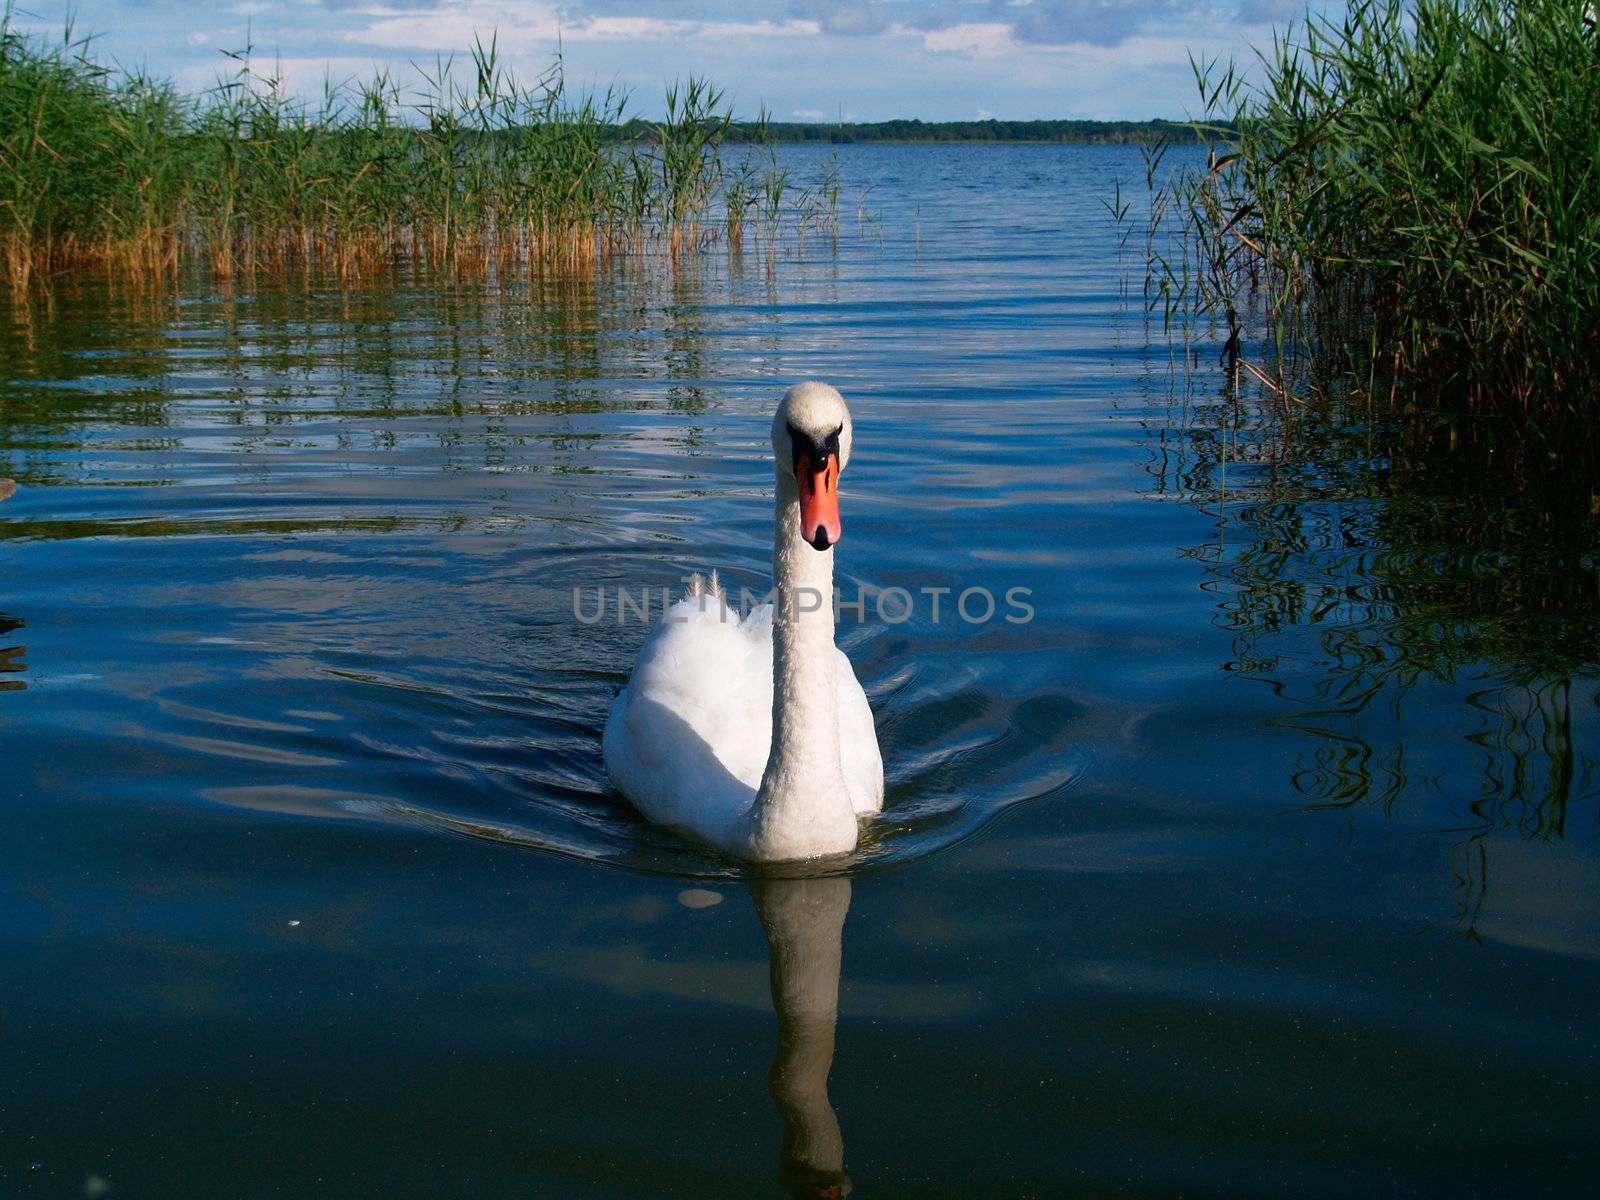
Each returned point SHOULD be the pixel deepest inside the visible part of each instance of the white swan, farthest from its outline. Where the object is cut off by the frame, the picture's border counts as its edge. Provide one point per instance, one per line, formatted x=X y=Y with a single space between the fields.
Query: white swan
x=753 y=734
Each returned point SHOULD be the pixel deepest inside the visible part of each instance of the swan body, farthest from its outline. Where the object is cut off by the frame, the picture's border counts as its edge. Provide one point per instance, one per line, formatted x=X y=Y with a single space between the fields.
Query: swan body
x=688 y=739
x=752 y=732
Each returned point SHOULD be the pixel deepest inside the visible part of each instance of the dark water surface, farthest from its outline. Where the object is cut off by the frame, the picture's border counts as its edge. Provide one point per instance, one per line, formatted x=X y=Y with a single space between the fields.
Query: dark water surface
x=1262 y=861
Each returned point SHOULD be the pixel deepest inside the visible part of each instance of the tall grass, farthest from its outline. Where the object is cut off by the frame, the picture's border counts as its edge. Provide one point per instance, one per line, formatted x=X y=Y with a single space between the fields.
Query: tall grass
x=85 y=164
x=469 y=170
x=1406 y=210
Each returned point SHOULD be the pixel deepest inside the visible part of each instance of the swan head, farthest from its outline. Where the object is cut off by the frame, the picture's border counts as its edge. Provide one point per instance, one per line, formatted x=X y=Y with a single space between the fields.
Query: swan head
x=811 y=435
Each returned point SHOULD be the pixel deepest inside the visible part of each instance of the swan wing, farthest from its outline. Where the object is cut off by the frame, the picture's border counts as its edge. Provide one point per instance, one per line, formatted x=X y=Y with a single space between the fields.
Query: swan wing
x=687 y=738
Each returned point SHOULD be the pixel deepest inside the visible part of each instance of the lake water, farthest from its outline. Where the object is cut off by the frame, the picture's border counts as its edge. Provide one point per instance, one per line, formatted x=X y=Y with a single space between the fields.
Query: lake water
x=1261 y=861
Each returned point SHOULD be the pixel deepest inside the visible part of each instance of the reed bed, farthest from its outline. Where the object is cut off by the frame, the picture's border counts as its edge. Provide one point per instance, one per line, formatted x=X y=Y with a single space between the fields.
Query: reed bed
x=1404 y=212
x=470 y=170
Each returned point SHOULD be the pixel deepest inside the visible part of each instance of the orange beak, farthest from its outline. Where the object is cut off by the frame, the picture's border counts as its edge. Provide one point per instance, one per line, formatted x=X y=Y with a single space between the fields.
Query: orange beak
x=819 y=500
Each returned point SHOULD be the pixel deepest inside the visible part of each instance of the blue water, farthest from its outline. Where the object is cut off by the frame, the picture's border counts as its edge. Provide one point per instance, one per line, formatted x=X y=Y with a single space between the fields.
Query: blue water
x=1261 y=861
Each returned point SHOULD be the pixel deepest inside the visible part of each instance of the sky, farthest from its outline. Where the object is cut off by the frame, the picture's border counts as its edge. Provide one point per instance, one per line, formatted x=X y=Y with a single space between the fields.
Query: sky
x=864 y=60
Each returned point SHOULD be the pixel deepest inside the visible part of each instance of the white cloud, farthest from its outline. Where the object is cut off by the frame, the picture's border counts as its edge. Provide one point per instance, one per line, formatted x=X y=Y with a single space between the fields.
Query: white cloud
x=988 y=40
x=515 y=27
x=523 y=27
x=854 y=17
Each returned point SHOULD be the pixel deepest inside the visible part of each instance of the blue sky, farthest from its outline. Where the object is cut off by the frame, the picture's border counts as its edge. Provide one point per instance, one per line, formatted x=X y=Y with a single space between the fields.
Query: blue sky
x=805 y=59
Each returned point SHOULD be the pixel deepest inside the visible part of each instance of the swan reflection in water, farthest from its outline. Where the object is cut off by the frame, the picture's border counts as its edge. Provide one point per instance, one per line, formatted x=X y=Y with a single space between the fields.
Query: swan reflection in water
x=804 y=924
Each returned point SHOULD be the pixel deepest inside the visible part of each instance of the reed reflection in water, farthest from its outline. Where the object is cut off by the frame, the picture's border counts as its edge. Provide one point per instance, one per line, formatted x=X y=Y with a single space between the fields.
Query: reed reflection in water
x=446 y=380
x=11 y=656
x=1398 y=609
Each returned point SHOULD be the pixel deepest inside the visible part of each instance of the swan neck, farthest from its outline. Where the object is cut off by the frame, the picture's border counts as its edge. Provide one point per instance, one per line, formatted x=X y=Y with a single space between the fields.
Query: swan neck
x=805 y=691
x=799 y=567
x=802 y=807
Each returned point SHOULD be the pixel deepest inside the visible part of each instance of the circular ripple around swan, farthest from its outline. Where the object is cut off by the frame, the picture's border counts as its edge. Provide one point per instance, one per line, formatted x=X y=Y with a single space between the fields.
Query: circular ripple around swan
x=533 y=779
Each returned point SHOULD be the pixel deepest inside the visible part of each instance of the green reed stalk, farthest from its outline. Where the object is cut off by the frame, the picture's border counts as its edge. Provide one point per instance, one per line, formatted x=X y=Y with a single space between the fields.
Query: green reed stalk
x=1408 y=204
x=472 y=170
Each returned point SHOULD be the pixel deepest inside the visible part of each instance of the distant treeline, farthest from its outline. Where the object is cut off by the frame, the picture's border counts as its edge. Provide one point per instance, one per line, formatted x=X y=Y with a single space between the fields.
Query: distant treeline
x=913 y=130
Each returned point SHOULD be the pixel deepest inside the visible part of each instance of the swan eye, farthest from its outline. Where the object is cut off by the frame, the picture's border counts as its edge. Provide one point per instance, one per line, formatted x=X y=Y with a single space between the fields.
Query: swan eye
x=814 y=449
